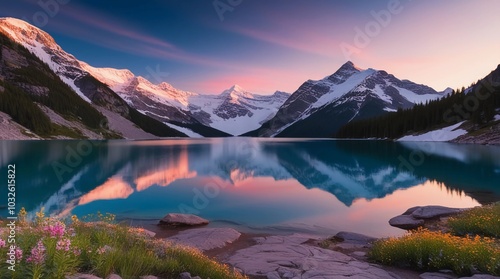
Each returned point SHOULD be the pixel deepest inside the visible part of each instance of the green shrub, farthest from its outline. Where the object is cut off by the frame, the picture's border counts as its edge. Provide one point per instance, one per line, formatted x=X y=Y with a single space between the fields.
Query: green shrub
x=483 y=221
x=56 y=248
x=426 y=250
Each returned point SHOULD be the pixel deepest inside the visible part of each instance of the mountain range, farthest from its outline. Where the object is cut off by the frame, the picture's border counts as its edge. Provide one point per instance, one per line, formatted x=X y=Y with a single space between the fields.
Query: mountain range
x=128 y=106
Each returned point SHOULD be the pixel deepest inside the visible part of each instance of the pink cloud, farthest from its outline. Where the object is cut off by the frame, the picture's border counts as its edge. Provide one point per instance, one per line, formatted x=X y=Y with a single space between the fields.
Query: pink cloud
x=256 y=80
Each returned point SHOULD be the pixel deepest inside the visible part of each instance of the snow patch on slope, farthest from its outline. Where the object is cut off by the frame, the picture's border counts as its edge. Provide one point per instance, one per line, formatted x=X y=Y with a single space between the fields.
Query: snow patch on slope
x=446 y=134
x=184 y=130
x=416 y=98
x=337 y=91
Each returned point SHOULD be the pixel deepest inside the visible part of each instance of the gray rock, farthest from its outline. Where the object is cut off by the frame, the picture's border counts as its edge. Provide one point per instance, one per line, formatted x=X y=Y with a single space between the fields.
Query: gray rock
x=354 y=238
x=359 y=254
x=289 y=257
x=206 y=238
x=114 y=276
x=434 y=211
x=437 y=275
x=179 y=220
x=149 y=233
x=406 y=222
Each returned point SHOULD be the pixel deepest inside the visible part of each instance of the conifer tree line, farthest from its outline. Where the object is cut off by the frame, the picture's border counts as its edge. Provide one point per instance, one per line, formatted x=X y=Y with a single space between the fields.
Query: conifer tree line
x=21 y=108
x=478 y=104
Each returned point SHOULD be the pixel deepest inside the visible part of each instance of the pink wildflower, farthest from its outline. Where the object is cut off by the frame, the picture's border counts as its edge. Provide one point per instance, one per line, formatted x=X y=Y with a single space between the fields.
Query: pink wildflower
x=2 y=243
x=63 y=244
x=77 y=252
x=101 y=250
x=55 y=230
x=37 y=254
x=19 y=254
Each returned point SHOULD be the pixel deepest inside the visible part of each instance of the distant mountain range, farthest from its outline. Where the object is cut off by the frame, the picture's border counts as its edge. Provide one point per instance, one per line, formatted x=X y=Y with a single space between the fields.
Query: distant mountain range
x=75 y=100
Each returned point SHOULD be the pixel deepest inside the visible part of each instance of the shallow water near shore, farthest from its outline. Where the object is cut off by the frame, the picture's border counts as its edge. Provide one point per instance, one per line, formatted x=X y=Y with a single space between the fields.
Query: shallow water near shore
x=275 y=186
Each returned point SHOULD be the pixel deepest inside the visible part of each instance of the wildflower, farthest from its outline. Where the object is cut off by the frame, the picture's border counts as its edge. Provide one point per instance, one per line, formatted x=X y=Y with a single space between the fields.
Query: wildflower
x=37 y=254
x=63 y=244
x=2 y=243
x=19 y=254
x=100 y=250
x=55 y=230
x=74 y=218
x=77 y=252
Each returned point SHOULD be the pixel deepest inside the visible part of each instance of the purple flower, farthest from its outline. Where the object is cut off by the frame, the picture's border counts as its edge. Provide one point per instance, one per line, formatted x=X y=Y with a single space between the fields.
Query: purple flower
x=63 y=244
x=37 y=256
x=77 y=252
x=55 y=230
x=19 y=254
x=2 y=243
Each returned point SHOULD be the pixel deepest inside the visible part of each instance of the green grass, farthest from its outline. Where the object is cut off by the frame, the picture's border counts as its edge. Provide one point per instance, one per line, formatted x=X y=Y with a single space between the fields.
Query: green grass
x=471 y=246
x=102 y=247
x=484 y=221
x=426 y=250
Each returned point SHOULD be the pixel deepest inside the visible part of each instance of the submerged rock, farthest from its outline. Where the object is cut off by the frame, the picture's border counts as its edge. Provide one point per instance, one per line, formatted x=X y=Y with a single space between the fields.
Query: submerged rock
x=182 y=220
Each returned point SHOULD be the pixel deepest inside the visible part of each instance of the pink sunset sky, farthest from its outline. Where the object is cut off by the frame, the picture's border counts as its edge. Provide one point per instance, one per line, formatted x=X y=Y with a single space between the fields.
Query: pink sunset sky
x=265 y=46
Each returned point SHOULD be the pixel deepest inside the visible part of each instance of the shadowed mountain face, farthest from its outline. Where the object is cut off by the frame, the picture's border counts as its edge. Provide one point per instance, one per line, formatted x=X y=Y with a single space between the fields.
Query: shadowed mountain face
x=62 y=175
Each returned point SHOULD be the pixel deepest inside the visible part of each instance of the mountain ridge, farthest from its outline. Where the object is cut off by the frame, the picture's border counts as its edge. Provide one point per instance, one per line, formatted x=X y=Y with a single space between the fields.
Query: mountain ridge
x=341 y=96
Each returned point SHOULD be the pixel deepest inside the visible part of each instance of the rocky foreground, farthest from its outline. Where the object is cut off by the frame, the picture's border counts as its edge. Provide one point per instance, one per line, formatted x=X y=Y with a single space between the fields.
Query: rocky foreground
x=304 y=256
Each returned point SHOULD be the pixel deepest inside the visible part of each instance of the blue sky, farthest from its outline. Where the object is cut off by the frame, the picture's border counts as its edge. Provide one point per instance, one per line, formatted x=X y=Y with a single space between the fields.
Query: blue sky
x=268 y=45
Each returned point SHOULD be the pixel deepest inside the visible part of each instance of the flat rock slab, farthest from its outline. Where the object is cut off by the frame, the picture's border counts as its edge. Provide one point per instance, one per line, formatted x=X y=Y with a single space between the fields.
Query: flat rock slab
x=288 y=257
x=182 y=220
x=206 y=238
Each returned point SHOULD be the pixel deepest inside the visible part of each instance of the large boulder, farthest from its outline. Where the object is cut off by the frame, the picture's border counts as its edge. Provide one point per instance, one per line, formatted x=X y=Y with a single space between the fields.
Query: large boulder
x=182 y=220
x=406 y=222
x=417 y=216
x=433 y=211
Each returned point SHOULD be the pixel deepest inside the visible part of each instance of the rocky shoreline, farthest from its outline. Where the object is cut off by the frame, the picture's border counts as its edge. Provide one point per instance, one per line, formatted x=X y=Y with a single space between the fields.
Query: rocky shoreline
x=304 y=256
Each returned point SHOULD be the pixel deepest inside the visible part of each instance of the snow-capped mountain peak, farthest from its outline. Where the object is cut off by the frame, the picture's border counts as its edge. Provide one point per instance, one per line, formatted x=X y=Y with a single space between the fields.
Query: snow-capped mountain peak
x=25 y=33
x=114 y=78
x=348 y=94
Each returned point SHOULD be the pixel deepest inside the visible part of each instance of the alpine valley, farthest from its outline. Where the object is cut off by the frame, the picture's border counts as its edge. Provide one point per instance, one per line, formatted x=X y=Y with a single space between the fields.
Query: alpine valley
x=46 y=92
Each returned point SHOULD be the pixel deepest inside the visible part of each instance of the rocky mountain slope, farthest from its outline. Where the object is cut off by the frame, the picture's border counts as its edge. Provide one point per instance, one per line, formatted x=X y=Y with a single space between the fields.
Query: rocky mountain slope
x=42 y=84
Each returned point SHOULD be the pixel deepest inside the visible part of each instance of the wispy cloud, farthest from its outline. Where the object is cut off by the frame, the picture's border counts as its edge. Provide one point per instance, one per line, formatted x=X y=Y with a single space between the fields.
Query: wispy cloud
x=119 y=36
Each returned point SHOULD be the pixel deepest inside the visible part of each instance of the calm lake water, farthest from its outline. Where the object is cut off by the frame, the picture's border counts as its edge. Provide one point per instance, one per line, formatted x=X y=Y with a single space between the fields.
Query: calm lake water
x=255 y=185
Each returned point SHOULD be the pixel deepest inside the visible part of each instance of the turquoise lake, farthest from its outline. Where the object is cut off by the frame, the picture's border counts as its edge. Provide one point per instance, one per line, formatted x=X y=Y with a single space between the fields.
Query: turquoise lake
x=255 y=185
